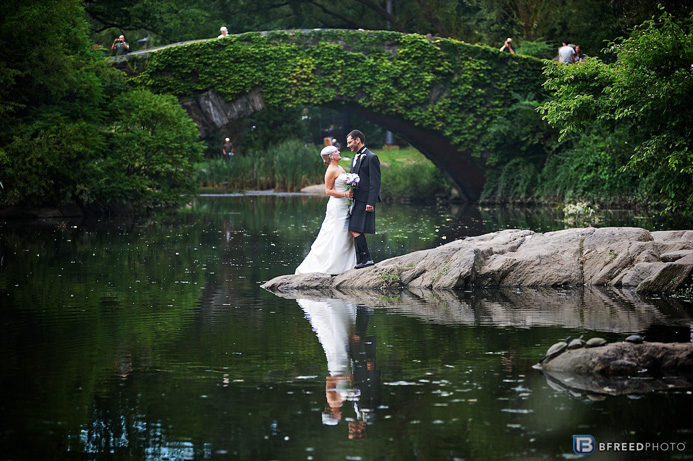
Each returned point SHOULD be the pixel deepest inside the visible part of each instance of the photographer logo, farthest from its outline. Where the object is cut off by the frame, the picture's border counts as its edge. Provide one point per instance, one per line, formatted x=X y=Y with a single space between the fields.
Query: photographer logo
x=583 y=444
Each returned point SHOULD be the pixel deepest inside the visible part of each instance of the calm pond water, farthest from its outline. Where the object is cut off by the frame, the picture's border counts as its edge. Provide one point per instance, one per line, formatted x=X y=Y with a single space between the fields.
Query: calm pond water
x=152 y=339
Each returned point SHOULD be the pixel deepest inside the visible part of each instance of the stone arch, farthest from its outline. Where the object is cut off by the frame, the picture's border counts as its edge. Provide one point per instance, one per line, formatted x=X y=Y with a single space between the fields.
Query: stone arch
x=210 y=111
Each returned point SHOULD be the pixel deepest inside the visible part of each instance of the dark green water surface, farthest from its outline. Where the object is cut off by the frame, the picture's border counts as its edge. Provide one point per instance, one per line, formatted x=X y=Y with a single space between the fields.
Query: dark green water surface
x=152 y=339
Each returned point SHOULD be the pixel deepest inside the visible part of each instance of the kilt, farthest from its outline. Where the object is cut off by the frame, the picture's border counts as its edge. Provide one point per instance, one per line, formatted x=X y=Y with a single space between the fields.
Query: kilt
x=361 y=220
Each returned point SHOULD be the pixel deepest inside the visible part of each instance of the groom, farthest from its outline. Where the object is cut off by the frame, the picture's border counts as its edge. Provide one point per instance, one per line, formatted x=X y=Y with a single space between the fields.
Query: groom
x=367 y=165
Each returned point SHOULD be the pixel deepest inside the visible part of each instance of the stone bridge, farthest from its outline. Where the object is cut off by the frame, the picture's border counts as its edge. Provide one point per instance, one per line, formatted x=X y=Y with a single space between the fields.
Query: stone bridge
x=440 y=95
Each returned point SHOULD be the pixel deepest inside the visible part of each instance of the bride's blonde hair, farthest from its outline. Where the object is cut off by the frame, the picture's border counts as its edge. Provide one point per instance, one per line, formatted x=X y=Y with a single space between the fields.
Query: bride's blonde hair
x=326 y=152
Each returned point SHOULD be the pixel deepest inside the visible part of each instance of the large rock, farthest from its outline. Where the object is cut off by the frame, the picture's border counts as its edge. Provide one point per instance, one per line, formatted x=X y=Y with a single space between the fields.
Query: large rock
x=621 y=368
x=625 y=359
x=612 y=256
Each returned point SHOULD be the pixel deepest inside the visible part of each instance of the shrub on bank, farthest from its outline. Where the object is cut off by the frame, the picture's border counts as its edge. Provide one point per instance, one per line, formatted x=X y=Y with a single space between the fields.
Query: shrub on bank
x=152 y=147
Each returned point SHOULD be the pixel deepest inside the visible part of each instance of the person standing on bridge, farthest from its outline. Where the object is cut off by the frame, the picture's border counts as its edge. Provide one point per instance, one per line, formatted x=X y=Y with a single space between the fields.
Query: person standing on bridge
x=362 y=221
x=120 y=46
x=566 y=53
x=508 y=46
x=579 y=56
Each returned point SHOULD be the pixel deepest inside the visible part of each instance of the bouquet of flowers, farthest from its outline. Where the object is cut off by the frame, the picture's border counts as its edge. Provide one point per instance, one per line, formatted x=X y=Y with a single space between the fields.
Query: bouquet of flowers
x=351 y=182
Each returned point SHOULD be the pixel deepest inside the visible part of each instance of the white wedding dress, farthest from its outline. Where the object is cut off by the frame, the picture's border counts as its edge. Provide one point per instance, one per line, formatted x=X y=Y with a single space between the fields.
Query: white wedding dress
x=333 y=322
x=332 y=251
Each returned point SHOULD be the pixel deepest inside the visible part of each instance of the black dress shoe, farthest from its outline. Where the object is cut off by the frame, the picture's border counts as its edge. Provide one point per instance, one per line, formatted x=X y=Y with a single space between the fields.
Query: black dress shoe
x=364 y=264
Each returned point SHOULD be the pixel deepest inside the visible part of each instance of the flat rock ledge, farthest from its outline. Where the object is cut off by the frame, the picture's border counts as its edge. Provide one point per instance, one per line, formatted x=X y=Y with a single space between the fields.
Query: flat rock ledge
x=628 y=257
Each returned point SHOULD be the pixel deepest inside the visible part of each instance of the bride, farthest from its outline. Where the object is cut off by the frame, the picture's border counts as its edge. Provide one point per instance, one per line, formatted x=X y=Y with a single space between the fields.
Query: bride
x=332 y=251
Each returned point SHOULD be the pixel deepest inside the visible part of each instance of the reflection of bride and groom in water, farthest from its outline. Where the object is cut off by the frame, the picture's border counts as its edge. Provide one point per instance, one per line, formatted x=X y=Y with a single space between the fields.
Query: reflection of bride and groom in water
x=352 y=377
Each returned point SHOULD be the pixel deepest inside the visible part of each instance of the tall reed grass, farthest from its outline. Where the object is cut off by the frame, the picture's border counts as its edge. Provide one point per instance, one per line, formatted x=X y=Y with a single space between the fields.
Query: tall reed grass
x=407 y=176
x=288 y=167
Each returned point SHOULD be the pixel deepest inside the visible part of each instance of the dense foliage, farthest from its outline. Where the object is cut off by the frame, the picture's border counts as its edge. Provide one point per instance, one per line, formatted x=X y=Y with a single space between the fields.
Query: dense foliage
x=152 y=146
x=50 y=101
x=71 y=130
x=640 y=104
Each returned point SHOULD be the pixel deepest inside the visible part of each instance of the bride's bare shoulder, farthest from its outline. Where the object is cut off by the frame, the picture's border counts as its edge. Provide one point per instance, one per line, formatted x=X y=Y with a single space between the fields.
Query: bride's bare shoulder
x=334 y=170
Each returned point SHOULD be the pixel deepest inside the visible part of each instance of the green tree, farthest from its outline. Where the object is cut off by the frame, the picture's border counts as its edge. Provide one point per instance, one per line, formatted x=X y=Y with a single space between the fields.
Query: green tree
x=588 y=167
x=70 y=129
x=646 y=92
x=51 y=99
x=630 y=13
x=152 y=148
x=519 y=142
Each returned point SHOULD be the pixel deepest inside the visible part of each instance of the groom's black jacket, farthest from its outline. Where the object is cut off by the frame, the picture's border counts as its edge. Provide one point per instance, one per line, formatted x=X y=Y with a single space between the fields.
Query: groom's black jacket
x=368 y=169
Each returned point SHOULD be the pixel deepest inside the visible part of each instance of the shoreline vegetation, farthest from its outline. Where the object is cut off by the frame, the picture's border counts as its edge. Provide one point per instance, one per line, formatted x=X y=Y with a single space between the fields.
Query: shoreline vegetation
x=408 y=176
